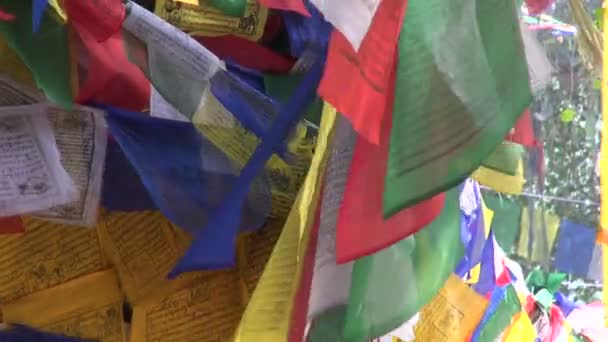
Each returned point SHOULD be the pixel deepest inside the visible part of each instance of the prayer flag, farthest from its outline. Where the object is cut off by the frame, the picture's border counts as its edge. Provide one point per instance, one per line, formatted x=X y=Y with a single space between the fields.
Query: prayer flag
x=390 y=286
x=453 y=107
x=574 y=239
x=361 y=227
x=360 y=83
x=45 y=53
x=506 y=221
x=186 y=176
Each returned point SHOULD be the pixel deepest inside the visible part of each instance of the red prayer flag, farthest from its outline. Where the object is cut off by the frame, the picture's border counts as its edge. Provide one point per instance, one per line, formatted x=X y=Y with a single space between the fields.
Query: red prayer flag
x=11 y=225
x=110 y=77
x=357 y=82
x=297 y=326
x=523 y=132
x=101 y=18
x=287 y=5
x=537 y=6
x=4 y=16
x=361 y=228
x=247 y=54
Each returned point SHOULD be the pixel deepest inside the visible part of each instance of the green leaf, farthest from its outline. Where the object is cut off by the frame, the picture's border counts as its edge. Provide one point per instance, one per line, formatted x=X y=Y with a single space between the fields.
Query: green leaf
x=599 y=17
x=568 y=115
x=597 y=83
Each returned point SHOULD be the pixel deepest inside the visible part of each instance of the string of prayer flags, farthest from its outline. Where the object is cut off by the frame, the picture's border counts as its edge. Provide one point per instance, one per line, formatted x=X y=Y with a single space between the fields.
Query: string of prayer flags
x=184 y=173
x=360 y=82
x=437 y=144
x=213 y=247
x=361 y=228
x=46 y=53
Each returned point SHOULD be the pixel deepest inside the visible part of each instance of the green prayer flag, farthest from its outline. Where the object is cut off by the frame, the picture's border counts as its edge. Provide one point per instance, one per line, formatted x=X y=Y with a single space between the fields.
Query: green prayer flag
x=282 y=86
x=506 y=220
x=462 y=82
x=501 y=319
x=46 y=53
x=505 y=158
x=391 y=286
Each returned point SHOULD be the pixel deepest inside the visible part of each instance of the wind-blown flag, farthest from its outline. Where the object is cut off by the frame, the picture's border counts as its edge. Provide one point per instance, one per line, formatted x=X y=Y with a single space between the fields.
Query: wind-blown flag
x=186 y=176
x=213 y=247
x=506 y=221
x=360 y=83
x=46 y=52
x=453 y=107
x=361 y=228
x=379 y=302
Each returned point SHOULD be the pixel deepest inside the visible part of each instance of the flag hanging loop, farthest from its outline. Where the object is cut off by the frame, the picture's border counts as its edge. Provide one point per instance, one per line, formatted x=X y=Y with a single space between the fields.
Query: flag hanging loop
x=604 y=161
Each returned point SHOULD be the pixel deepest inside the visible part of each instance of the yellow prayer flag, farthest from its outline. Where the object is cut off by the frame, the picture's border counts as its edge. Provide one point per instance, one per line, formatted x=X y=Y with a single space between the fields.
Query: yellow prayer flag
x=46 y=255
x=521 y=329
x=452 y=315
x=539 y=253
x=89 y=307
x=143 y=247
x=501 y=182
x=268 y=314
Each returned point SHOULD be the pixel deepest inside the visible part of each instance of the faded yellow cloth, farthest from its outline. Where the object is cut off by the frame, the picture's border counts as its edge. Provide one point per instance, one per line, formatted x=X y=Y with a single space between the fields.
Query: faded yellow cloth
x=268 y=314
x=539 y=252
x=143 y=247
x=47 y=255
x=501 y=182
x=521 y=330
x=452 y=315
x=207 y=310
x=89 y=307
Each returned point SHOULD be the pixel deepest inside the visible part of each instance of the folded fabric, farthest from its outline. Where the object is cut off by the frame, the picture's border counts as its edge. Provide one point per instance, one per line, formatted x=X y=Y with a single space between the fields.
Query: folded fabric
x=122 y=188
x=437 y=144
x=537 y=235
x=186 y=176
